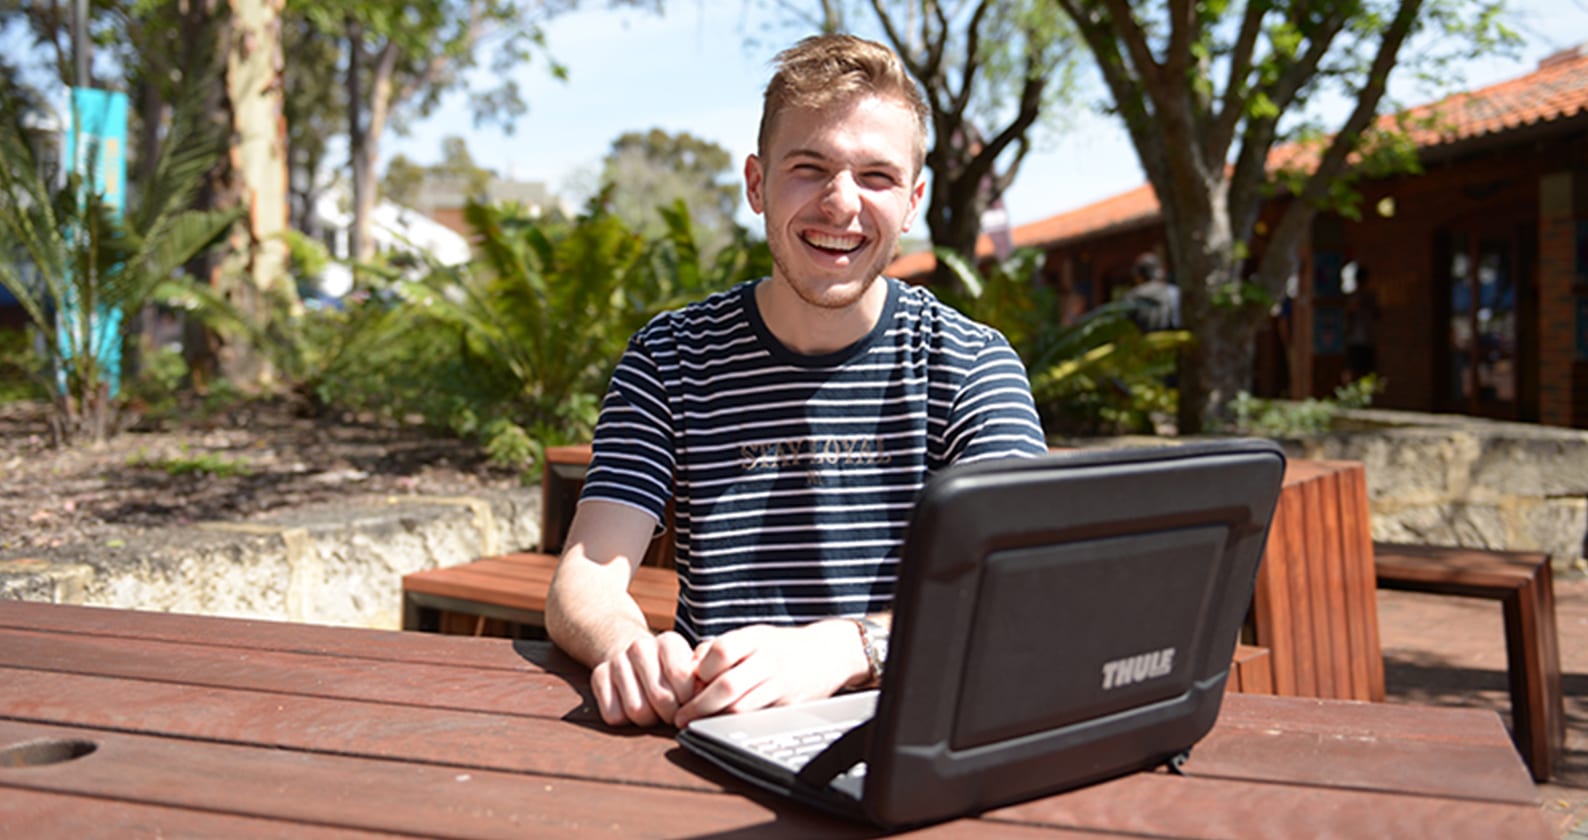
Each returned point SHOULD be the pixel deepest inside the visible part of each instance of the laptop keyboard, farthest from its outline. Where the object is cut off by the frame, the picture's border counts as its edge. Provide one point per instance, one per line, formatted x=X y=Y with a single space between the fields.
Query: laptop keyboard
x=793 y=750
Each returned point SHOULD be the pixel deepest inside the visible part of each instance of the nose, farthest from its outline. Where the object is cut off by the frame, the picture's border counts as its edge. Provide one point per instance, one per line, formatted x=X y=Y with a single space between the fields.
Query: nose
x=841 y=199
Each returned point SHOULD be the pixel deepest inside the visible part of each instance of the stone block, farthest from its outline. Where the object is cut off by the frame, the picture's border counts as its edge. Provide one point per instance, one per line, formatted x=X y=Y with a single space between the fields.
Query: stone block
x=1540 y=465
x=1472 y=525
x=1558 y=526
x=33 y=579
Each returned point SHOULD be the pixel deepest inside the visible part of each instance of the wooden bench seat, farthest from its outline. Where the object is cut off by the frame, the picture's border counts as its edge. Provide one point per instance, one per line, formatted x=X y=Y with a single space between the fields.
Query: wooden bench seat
x=506 y=596
x=1523 y=583
x=1251 y=671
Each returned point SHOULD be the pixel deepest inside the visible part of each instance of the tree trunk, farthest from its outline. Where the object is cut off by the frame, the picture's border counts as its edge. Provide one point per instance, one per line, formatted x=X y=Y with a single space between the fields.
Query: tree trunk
x=952 y=217
x=366 y=151
x=1218 y=363
x=257 y=258
x=357 y=233
x=205 y=24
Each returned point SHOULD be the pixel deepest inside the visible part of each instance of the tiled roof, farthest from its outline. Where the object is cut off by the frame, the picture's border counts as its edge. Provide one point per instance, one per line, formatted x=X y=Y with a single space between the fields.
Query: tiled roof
x=1557 y=90
x=1138 y=206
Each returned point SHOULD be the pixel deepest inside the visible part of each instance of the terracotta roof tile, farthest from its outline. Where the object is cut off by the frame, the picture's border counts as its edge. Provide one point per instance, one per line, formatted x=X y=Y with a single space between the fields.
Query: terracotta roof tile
x=1557 y=90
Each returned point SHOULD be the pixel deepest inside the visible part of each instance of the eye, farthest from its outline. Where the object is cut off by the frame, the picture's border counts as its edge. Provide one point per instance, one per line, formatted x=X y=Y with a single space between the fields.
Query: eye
x=879 y=179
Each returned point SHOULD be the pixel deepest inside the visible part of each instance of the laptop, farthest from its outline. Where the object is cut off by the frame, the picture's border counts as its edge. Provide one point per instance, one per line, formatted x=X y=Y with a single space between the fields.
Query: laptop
x=1057 y=622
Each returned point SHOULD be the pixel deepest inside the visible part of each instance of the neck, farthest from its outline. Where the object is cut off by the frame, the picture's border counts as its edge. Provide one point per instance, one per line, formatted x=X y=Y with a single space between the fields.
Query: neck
x=812 y=330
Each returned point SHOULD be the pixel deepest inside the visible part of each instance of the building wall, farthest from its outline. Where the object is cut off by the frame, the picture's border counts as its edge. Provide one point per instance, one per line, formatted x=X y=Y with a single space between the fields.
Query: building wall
x=1557 y=323
x=1094 y=271
x=1529 y=185
x=1526 y=193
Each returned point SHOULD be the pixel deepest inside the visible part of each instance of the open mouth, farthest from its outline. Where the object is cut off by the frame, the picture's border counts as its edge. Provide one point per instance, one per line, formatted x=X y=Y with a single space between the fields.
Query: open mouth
x=834 y=244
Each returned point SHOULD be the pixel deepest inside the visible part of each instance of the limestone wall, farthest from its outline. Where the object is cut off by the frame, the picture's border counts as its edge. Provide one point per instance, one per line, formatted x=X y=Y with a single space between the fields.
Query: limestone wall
x=1431 y=479
x=1452 y=480
x=328 y=564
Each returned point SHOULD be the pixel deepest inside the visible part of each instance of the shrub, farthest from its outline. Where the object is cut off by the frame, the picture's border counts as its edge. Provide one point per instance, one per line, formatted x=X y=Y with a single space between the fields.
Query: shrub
x=82 y=271
x=1097 y=375
x=1289 y=418
x=515 y=348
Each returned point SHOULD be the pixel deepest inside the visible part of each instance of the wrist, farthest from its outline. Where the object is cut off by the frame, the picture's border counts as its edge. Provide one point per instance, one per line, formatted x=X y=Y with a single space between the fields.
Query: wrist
x=874 y=645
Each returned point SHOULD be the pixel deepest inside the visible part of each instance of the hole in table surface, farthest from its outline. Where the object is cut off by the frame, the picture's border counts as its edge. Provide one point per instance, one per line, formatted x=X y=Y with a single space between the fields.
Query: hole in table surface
x=45 y=751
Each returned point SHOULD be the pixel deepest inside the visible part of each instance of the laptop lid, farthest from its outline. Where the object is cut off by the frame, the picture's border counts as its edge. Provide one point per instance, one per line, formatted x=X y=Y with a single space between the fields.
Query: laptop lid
x=1058 y=621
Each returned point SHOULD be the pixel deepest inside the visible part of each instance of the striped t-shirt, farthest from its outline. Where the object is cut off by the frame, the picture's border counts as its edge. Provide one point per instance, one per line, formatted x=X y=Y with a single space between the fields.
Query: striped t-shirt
x=793 y=476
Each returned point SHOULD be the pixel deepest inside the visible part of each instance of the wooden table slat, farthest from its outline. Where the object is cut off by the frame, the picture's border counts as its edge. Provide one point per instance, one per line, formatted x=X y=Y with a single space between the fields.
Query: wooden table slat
x=526 y=691
x=506 y=742
x=261 y=634
x=1151 y=805
x=202 y=725
x=35 y=813
x=352 y=792
x=384 y=796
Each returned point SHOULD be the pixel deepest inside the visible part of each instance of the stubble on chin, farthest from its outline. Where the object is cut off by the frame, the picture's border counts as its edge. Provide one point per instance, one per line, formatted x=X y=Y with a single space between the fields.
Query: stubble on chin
x=823 y=295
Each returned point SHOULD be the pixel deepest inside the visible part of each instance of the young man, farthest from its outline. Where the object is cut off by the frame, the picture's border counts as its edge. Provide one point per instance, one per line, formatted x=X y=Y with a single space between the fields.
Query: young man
x=792 y=421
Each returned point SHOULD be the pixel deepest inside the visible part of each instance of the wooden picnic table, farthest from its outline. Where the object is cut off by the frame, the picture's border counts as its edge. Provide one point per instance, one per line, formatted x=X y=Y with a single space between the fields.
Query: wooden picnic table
x=117 y=722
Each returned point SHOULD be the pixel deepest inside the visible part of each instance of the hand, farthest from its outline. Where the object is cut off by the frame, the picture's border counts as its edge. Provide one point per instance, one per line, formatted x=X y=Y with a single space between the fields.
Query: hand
x=759 y=666
x=646 y=682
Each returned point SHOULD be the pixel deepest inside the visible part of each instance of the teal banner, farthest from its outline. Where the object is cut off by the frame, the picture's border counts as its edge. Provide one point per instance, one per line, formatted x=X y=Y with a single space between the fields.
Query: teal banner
x=96 y=144
x=96 y=148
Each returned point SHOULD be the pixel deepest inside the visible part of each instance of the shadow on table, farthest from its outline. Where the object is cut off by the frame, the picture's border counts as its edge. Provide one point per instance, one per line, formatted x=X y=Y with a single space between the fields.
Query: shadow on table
x=1432 y=680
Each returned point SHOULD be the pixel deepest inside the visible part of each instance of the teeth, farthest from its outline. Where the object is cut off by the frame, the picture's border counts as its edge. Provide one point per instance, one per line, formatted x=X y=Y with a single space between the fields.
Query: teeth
x=834 y=243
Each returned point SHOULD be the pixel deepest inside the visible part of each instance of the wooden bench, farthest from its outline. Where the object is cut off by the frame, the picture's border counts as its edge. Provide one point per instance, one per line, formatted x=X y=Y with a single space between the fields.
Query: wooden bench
x=1523 y=583
x=1315 y=605
x=506 y=595
x=1251 y=671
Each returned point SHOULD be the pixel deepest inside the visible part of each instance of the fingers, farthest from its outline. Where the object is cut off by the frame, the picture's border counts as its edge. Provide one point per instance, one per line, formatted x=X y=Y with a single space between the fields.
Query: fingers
x=644 y=684
x=618 y=696
x=677 y=666
x=728 y=672
x=759 y=666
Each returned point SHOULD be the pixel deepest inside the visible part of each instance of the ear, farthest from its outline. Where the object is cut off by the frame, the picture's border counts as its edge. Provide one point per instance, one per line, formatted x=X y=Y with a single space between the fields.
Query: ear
x=917 y=193
x=754 y=181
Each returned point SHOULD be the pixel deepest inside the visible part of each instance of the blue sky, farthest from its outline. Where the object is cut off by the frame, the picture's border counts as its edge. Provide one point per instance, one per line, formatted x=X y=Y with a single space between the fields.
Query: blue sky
x=691 y=71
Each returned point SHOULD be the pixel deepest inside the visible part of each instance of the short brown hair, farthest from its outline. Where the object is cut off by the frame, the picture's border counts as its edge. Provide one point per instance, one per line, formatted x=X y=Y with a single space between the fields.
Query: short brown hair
x=824 y=70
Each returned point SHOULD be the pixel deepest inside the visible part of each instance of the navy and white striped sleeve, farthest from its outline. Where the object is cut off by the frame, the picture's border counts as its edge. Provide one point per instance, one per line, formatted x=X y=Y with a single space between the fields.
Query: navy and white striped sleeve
x=632 y=457
x=994 y=415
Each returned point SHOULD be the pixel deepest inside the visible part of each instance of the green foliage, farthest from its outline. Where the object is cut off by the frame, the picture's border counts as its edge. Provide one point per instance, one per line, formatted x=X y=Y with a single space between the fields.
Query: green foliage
x=515 y=349
x=646 y=170
x=1098 y=375
x=21 y=369
x=1287 y=418
x=157 y=389
x=71 y=261
x=206 y=463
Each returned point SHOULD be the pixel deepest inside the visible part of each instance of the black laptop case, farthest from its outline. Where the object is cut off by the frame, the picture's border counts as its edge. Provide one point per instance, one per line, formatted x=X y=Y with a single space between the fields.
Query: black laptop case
x=1058 y=621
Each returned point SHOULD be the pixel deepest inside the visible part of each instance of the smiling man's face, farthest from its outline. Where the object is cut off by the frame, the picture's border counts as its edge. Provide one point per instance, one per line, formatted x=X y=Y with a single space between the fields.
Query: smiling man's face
x=838 y=187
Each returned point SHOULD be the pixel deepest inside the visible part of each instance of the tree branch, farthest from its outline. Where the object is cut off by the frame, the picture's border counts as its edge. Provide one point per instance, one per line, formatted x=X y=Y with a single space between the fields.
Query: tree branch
x=1099 y=30
x=1222 y=130
x=1333 y=162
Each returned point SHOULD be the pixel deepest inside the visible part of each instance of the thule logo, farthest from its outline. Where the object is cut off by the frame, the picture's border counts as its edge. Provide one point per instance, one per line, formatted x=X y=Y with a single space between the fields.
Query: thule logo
x=1133 y=669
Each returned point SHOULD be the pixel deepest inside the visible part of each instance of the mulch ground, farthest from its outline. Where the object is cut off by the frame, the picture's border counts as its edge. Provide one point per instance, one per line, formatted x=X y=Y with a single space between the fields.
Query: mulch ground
x=233 y=465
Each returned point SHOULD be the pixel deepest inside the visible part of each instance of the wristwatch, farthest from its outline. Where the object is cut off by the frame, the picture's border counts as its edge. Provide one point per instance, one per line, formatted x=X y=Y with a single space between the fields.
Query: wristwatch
x=874 y=638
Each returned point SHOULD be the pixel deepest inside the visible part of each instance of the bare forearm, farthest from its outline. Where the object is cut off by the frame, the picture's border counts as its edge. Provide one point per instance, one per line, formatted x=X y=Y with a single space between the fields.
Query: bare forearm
x=590 y=620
